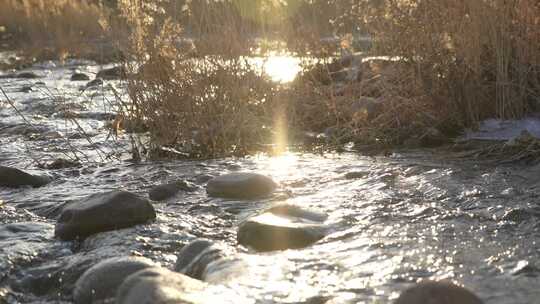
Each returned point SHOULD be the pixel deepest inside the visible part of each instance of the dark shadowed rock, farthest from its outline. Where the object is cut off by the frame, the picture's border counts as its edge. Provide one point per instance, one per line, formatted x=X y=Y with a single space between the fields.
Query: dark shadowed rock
x=282 y=227
x=356 y=174
x=102 y=212
x=240 y=185
x=165 y=191
x=26 y=89
x=27 y=75
x=94 y=83
x=14 y=178
x=437 y=293
x=160 y=286
x=102 y=280
x=195 y=257
x=79 y=77
x=118 y=72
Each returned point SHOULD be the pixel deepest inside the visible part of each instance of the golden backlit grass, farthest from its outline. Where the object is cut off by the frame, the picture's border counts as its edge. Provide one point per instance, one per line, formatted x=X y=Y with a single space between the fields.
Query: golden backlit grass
x=59 y=28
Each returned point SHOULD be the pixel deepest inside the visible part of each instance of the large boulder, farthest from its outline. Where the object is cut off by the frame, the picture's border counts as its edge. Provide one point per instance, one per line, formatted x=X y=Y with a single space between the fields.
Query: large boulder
x=103 y=212
x=282 y=227
x=14 y=178
x=431 y=292
x=101 y=281
x=160 y=286
x=240 y=185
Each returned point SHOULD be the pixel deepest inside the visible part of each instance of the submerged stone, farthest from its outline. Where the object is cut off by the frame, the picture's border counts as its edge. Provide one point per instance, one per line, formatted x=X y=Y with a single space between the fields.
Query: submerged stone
x=240 y=185
x=118 y=72
x=159 y=285
x=437 y=293
x=356 y=174
x=103 y=212
x=14 y=178
x=165 y=191
x=102 y=280
x=94 y=83
x=79 y=77
x=281 y=228
x=27 y=75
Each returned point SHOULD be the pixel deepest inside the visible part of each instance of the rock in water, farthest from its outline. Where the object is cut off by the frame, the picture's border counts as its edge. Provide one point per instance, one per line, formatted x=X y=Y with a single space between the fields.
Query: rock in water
x=14 y=178
x=240 y=186
x=437 y=293
x=165 y=191
x=94 y=83
x=159 y=285
x=27 y=75
x=79 y=77
x=280 y=228
x=102 y=212
x=195 y=257
x=118 y=72
x=101 y=281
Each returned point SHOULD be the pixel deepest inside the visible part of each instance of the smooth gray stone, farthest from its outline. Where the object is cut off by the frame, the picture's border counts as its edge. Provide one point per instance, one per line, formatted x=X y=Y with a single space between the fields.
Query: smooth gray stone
x=194 y=258
x=240 y=185
x=431 y=292
x=103 y=212
x=159 y=286
x=282 y=227
x=165 y=191
x=101 y=281
x=14 y=178
x=79 y=77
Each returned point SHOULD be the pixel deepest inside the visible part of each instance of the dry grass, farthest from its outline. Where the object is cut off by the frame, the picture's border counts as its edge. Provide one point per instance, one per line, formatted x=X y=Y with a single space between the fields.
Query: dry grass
x=60 y=28
x=198 y=100
x=454 y=64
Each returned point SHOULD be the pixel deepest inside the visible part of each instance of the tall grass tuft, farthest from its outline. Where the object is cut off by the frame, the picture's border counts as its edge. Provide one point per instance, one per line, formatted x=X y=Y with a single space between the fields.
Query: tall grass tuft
x=60 y=28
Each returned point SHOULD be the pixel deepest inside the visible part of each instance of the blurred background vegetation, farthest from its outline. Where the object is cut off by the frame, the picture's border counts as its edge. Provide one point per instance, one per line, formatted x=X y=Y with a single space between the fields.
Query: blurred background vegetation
x=375 y=73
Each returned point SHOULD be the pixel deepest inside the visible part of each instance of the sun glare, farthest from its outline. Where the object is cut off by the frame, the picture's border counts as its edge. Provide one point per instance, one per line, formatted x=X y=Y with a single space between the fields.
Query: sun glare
x=280 y=68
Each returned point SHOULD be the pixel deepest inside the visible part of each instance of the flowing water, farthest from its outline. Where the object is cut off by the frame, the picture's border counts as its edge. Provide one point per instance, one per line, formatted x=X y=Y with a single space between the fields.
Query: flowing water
x=409 y=216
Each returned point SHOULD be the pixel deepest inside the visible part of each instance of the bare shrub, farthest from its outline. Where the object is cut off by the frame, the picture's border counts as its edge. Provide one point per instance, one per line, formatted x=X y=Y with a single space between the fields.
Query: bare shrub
x=201 y=99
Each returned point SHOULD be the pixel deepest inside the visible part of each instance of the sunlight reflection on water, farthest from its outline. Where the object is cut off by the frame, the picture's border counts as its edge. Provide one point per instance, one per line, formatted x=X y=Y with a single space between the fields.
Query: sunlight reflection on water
x=280 y=68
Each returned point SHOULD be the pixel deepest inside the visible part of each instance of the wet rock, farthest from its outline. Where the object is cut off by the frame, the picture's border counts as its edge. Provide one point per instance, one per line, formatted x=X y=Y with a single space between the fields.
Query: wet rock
x=14 y=178
x=26 y=89
x=439 y=293
x=203 y=178
x=22 y=129
x=79 y=77
x=356 y=174
x=165 y=191
x=282 y=227
x=102 y=280
x=525 y=268
x=94 y=83
x=62 y=163
x=118 y=72
x=519 y=215
x=159 y=285
x=103 y=212
x=240 y=186
x=195 y=257
x=27 y=75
